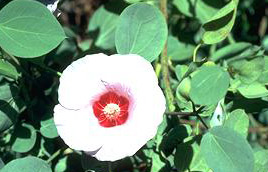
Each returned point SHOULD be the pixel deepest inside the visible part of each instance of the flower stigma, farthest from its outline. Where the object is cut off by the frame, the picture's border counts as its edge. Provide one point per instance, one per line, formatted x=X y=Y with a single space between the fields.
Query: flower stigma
x=111 y=109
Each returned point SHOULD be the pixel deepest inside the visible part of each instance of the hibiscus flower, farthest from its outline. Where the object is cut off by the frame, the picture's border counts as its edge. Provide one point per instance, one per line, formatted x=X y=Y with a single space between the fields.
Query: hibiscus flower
x=109 y=106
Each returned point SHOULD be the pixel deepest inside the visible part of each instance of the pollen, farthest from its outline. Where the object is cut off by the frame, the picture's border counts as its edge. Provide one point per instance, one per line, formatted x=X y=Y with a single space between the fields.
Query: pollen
x=111 y=110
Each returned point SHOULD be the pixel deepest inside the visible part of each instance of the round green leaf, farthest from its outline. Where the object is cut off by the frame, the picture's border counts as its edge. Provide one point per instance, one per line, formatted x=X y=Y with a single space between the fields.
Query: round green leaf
x=226 y=150
x=209 y=85
x=24 y=138
x=48 y=128
x=141 y=30
x=238 y=121
x=220 y=25
x=28 y=29
x=27 y=164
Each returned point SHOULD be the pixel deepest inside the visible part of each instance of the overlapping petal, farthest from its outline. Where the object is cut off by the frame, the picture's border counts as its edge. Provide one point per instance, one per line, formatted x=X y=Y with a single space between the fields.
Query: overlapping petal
x=87 y=78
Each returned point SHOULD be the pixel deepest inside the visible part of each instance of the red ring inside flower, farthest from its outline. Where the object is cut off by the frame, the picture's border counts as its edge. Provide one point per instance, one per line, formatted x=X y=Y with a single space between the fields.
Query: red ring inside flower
x=111 y=109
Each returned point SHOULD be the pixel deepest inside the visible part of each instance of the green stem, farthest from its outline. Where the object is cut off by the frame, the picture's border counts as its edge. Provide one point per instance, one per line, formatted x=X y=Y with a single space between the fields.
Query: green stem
x=12 y=57
x=48 y=69
x=110 y=166
x=231 y=38
x=51 y=70
x=55 y=154
x=195 y=52
x=212 y=49
x=165 y=65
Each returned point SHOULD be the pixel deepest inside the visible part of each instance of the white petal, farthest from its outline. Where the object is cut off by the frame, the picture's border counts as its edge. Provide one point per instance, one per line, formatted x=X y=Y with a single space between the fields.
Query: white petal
x=130 y=70
x=126 y=140
x=147 y=114
x=81 y=81
x=51 y=4
x=85 y=78
x=78 y=128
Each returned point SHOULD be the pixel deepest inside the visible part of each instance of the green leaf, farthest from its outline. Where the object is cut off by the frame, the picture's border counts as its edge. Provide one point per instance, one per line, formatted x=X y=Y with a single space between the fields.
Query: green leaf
x=2 y=164
x=61 y=166
x=27 y=164
x=263 y=78
x=47 y=147
x=24 y=138
x=248 y=71
x=28 y=29
x=177 y=50
x=203 y=10
x=176 y=135
x=180 y=71
x=141 y=30
x=226 y=150
x=132 y=1
x=48 y=128
x=158 y=163
x=10 y=105
x=238 y=121
x=106 y=22
x=254 y=90
x=209 y=85
x=230 y=51
x=261 y=161
x=219 y=26
x=8 y=69
x=184 y=88
x=192 y=160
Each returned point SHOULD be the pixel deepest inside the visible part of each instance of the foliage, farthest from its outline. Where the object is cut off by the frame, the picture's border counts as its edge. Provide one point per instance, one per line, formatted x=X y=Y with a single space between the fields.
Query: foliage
x=211 y=60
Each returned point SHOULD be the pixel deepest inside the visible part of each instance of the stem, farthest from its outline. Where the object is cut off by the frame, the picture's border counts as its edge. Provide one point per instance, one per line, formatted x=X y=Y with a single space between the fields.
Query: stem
x=201 y=119
x=55 y=154
x=12 y=57
x=196 y=113
x=181 y=114
x=163 y=8
x=110 y=166
x=230 y=38
x=212 y=49
x=48 y=69
x=165 y=65
x=195 y=52
x=51 y=70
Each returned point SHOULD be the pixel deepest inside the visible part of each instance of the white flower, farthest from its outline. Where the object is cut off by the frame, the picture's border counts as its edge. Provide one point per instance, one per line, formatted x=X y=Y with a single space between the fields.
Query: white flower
x=52 y=6
x=110 y=106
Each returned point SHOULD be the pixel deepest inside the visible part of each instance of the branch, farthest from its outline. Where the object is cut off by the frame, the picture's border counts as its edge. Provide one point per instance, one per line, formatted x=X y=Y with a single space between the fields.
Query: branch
x=164 y=64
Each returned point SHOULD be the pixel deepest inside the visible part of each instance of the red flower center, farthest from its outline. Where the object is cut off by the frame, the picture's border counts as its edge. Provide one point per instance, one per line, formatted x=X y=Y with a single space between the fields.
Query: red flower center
x=111 y=109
